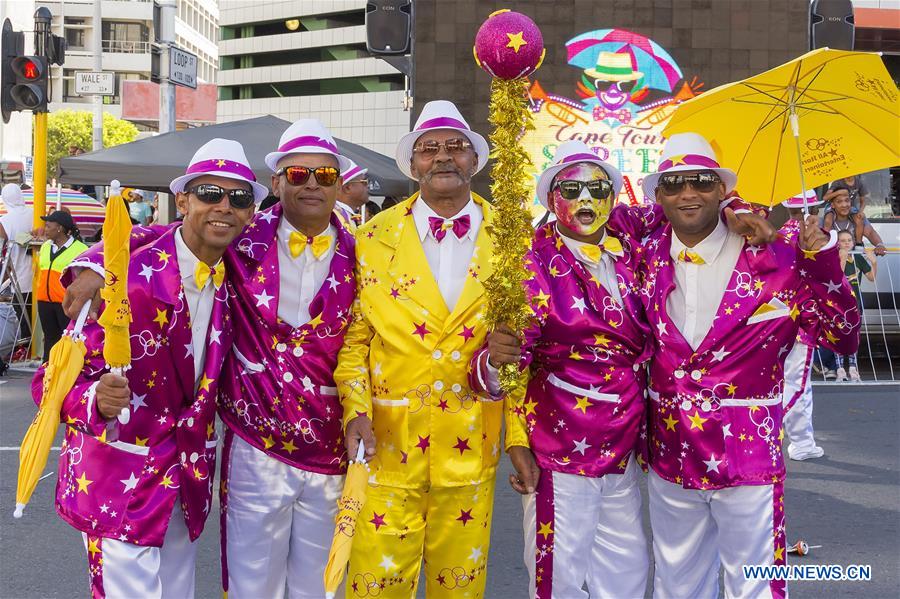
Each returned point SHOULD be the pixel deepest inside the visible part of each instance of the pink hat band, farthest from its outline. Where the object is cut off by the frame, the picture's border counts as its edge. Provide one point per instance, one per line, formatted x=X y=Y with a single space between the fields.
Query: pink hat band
x=689 y=160
x=308 y=140
x=227 y=166
x=442 y=122
x=578 y=158
x=353 y=172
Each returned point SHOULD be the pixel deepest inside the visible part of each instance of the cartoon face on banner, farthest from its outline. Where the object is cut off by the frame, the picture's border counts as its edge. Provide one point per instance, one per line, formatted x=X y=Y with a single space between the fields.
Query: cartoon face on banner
x=625 y=92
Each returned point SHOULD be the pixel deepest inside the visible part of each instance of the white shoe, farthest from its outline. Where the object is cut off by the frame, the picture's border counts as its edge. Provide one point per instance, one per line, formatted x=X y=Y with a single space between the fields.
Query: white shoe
x=841 y=375
x=809 y=454
x=854 y=374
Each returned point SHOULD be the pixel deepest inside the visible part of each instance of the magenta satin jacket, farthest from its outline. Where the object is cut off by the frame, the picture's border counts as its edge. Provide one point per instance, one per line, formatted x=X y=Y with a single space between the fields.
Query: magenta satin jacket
x=278 y=390
x=715 y=414
x=126 y=488
x=583 y=410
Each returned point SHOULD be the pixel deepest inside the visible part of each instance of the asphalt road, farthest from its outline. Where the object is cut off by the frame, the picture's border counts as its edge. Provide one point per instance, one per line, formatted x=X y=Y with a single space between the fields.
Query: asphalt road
x=847 y=501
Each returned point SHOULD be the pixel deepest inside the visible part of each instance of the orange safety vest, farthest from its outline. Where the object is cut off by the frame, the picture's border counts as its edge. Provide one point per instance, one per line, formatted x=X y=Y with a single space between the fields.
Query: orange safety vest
x=49 y=288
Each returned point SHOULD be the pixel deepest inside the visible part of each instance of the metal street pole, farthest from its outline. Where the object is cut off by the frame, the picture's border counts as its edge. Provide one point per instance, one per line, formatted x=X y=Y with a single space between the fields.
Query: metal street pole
x=166 y=92
x=97 y=137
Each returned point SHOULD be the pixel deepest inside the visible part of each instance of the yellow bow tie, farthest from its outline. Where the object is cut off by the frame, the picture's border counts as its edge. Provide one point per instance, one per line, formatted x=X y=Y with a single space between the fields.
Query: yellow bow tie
x=592 y=253
x=298 y=242
x=203 y=272
x=691 y=257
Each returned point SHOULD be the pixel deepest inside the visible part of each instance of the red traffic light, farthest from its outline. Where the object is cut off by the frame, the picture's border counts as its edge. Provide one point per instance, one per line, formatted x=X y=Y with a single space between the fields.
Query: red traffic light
x=30 y=70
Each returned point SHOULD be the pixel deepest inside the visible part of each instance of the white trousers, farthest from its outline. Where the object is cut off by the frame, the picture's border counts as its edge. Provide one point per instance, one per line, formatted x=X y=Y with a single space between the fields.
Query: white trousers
x=695 y=532
x=128 y=571
x=597 y=537
x=279 y=525
x=798 y=421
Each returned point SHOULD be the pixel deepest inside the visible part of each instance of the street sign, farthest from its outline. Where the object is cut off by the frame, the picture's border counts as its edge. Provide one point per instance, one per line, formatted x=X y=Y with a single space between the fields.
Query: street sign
x=182 y=67
x=93 y=83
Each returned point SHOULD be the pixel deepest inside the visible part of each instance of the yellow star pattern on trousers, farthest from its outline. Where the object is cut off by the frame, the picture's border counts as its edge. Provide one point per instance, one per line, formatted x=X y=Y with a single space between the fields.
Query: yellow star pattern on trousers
x=268 y=441
x=92 y=547
x=545 y=530
x=529 y=406
x=582 y=403
x=779 y=553
x=83 y=483
x=516 y=41
x=697 y=421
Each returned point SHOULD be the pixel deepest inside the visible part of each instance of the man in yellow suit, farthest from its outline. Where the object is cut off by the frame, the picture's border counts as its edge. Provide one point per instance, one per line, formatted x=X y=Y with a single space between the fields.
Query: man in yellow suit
x=433 y=444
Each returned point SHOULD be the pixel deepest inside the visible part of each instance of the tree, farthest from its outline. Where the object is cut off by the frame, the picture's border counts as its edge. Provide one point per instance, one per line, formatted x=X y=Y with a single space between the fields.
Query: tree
x=67 y=128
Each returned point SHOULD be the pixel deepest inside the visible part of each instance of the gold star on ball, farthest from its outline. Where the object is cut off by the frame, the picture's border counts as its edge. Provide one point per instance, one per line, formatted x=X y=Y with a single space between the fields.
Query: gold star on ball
x=516 y=41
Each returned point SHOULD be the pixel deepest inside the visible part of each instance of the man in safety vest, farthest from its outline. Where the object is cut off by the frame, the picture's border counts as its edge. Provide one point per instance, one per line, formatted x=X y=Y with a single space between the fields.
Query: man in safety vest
x=62 y=246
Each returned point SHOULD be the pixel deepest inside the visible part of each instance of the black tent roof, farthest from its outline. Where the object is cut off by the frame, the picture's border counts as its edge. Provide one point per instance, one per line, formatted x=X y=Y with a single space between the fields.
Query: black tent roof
x=153 y=162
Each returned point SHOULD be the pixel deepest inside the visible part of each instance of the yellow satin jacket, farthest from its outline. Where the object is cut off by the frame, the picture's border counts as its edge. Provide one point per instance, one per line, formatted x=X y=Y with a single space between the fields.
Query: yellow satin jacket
x=405 y=358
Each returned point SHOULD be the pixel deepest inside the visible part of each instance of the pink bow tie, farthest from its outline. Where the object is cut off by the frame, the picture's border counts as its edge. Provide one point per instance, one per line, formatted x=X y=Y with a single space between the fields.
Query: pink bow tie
x=439 y=226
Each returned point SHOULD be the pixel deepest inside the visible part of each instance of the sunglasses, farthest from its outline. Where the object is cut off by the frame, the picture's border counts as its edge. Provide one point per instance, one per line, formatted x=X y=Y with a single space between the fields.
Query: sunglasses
x=430 y=148
x=570 y=189
x=702 y=182
x=213 y=194
x=326 y=176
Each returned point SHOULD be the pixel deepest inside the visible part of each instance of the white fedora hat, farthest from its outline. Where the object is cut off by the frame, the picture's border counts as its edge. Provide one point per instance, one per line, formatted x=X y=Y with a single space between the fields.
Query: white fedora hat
x=306 y=136
x=567 y=154
x=353 y=172
x=439 y=114
x=805 y=200
x=222 y=158
x=688 y=152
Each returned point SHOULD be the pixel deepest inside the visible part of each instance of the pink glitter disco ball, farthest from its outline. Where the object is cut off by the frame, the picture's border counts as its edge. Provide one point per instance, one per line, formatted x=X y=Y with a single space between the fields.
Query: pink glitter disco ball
x=509 y=45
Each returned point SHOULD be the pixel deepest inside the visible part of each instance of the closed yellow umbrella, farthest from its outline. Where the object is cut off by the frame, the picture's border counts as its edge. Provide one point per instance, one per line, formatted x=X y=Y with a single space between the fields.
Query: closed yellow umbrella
x=116 y=316
x=65 y=362
x=349 y=506
x=825 y=115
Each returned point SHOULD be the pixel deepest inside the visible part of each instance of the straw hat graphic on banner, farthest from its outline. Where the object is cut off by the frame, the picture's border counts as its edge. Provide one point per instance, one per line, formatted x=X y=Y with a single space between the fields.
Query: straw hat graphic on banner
x=613 y=66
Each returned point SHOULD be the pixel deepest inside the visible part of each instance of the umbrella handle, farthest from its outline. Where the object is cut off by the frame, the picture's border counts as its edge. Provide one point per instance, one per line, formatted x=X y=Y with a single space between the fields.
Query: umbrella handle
x=82 y=317
x=360 y=453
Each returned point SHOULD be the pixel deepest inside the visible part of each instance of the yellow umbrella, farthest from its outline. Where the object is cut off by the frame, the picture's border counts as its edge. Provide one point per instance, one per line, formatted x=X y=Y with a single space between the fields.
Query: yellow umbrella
x=820 y=117
x=116 y=316
x=66 y=361
x=349 y=505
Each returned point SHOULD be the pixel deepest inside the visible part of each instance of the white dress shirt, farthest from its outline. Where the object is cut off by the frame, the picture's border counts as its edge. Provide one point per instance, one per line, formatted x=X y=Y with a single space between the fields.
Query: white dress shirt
x=199 y=303
x=604 y=270
x=449 y=260
x=699 y=288
x=300 y=278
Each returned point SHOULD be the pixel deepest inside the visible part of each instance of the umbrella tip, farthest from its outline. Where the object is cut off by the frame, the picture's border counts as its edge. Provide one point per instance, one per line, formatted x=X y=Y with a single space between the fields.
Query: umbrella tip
x=329 y=595
x=20 y=508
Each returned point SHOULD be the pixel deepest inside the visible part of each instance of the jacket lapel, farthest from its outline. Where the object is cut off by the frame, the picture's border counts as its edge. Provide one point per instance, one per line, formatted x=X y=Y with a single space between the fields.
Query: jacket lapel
x=255 y=253
x=480 y=268
x=173 y=317
x=665 y=330
x=408 y=266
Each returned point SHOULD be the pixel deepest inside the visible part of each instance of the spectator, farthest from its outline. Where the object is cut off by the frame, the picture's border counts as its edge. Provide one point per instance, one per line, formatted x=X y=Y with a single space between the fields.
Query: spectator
x=139 y=208
x=859 y=193
x=841 y=219
x=62 y=246
x=371 y=209
x=854 y=265
x=16 y=222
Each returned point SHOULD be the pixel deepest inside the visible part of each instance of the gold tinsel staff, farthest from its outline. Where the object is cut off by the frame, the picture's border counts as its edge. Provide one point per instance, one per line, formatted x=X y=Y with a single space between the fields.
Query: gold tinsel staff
x=509 y=47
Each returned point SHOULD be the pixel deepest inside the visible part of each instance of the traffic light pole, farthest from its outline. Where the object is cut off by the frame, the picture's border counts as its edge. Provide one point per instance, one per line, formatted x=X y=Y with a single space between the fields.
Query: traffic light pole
x=97 y=137
x=166 y=91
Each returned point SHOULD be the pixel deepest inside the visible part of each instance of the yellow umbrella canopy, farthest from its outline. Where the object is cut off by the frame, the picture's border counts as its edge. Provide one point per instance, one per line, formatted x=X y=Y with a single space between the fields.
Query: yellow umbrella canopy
x=825 y=115
x=66 y=361
x=116 y=316
x=349 y=506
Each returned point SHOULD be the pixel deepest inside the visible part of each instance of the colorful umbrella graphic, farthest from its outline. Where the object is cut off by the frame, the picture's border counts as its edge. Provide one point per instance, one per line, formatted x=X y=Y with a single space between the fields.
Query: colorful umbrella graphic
x=87 y=212
x=659 y=69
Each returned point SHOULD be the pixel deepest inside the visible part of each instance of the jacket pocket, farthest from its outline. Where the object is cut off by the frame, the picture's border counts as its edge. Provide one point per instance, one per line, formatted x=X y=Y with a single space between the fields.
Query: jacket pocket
x=576 y=390
x=390 y=421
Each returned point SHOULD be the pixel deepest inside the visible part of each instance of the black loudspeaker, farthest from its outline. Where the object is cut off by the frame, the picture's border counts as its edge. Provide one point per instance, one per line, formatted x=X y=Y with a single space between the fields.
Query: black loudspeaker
x=388 y=26
x=831 y=24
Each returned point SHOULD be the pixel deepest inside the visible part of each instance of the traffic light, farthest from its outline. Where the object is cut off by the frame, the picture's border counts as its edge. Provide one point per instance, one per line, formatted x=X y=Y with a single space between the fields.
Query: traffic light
x=29 y=89
x=13 y=45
